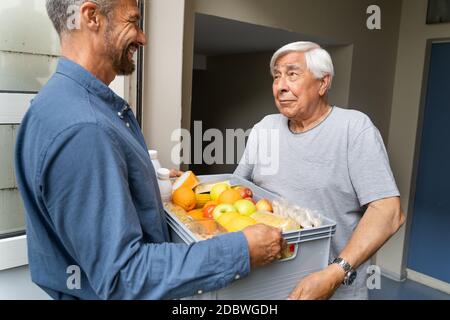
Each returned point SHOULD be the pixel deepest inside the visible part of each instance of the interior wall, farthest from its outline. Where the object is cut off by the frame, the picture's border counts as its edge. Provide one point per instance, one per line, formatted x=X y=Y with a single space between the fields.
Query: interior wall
x=163 y=76
x=406 y=107
x=199 y=112
x=240 y=90
x=339 y=93
x=234 y=92
x=343 y=22
x=188 y=63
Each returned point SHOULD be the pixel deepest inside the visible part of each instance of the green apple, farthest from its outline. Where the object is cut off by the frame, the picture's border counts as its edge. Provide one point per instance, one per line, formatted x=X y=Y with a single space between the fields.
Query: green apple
x=245 y=207
x=217 y=190
x=222 y=208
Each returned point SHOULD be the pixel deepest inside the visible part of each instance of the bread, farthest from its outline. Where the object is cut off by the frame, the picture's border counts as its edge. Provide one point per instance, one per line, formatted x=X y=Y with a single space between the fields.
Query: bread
x=284 y=223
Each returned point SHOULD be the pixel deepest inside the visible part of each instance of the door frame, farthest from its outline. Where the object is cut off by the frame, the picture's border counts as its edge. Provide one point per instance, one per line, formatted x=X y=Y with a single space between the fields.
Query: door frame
x=407 y=273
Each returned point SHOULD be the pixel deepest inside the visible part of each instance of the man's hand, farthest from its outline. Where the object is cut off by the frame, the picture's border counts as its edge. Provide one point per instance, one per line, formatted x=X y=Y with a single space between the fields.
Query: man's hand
x=174 y=173
x=381 y=220
x=319 y=285
x=265 y=244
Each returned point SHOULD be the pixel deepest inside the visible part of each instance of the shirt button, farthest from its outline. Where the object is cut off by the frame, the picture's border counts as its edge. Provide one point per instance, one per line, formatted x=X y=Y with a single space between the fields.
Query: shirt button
x=237 y=277
x=128 y=125
x=200 y=292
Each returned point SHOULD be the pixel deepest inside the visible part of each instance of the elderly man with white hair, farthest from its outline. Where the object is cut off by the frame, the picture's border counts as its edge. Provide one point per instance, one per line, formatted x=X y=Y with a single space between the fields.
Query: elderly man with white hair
x=332 y=161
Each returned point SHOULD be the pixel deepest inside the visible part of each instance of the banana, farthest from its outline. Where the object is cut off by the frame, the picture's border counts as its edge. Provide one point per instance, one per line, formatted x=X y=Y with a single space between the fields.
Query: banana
x=202 y=199
x=206 y=187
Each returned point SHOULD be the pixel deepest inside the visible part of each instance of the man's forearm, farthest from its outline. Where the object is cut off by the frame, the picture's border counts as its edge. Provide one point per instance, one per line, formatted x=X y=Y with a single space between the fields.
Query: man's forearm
x=381 y=220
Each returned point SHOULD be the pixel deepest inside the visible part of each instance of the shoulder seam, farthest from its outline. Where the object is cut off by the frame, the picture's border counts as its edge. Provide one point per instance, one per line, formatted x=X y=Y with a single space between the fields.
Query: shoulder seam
x=364 y=130
x=94 y=122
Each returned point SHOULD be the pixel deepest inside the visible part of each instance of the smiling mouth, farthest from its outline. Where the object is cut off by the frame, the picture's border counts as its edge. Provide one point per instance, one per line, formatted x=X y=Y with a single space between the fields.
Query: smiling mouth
x=131 y=51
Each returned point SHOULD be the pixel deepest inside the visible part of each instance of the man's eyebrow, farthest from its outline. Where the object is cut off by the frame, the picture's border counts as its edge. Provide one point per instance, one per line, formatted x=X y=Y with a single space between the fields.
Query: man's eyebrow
x=291 y=67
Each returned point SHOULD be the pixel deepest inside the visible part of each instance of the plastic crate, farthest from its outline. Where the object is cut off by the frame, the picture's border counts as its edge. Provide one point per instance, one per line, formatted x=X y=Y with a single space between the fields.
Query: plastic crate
x=277 y=280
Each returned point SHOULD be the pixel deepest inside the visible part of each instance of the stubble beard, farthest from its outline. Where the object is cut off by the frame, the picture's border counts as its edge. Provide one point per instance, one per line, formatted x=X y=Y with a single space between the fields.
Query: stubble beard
x=121 y=64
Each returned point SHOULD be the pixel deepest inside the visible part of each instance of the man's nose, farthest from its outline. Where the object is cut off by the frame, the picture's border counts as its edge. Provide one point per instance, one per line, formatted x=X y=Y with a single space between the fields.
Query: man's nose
x=282 y=85
x=142 y=38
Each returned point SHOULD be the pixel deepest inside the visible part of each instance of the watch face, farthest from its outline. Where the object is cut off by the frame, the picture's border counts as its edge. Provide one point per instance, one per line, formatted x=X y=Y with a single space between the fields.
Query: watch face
x=351 y=276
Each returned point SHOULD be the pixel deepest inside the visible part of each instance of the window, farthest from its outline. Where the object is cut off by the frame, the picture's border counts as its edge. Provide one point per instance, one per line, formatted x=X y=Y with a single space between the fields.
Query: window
x=13 y=250
x=12 y=108
x=29 y=52
x=11 y=218
x=28 y=57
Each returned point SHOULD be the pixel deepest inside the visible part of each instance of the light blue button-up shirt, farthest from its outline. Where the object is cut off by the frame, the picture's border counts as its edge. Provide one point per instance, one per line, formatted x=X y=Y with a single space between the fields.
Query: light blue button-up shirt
x=92 y=201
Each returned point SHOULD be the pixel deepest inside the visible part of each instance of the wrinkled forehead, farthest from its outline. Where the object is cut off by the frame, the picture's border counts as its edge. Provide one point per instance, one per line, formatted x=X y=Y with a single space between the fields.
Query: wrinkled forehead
x=288 y=67
x=290 y=61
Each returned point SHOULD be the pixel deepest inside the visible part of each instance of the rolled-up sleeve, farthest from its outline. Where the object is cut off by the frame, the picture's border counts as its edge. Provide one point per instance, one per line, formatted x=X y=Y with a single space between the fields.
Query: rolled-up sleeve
x=87 y=195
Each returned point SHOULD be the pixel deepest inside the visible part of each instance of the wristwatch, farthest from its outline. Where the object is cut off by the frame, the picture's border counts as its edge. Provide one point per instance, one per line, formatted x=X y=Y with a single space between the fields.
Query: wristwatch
x=350 y=273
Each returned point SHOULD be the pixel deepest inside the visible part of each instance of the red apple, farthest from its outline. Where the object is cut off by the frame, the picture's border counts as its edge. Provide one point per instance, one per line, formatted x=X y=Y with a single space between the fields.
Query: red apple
x=244 y=192
x=208 y=211
x=264 y=205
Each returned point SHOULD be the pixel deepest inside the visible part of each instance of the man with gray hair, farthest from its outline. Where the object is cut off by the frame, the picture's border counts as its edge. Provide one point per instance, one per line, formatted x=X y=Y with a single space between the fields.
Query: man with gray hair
x=91 y=197
x=332 y=161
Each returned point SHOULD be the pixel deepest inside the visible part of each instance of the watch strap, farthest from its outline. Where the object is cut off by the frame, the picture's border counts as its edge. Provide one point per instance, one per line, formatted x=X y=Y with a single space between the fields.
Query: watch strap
x=344 y=264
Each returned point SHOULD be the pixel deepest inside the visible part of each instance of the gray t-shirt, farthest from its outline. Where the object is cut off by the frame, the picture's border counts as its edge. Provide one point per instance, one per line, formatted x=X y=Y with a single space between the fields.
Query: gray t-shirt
x=335 y=169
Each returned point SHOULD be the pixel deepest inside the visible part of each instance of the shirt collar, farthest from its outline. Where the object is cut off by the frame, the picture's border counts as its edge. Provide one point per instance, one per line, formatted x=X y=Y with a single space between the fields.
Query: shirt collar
x=86 y=79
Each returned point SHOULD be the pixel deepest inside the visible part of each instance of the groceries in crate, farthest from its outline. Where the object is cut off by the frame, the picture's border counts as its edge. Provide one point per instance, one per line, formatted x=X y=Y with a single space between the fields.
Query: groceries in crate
x=284 y=223
x=154 y=157
x=202 y=200
x=165 y=186
x=207 y=187
x=209 y=209
x=304 y=217
x=187 y=180
x=194 y=220
x=218 y=189
x=264 y=205
x=185 y=198
x=232 y=221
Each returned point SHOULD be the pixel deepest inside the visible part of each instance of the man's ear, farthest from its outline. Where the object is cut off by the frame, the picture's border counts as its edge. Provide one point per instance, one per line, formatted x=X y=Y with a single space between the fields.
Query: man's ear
x=325 y=84
x=90 y=16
